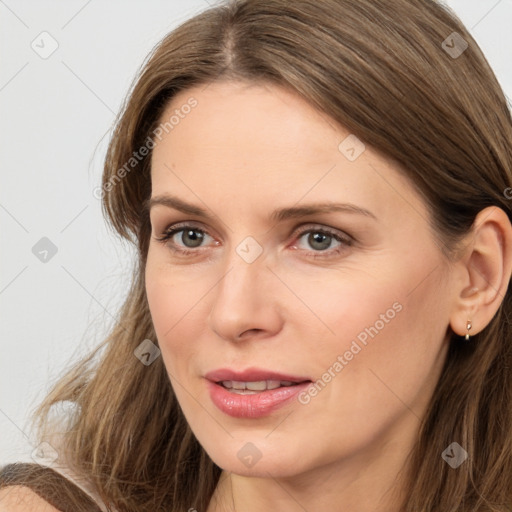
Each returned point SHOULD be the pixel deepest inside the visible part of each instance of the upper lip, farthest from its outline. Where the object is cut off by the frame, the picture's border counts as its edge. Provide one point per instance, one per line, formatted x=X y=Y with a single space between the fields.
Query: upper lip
x=251 y=375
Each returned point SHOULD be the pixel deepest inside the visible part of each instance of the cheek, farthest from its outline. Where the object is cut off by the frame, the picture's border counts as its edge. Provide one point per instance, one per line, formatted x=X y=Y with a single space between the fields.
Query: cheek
x=382 y=360
x=393 y=319
x=387 y=347
x=177 y=306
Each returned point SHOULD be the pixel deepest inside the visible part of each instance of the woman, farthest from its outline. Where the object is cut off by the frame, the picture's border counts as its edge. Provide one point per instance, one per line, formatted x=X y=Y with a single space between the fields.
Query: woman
x=319 y=315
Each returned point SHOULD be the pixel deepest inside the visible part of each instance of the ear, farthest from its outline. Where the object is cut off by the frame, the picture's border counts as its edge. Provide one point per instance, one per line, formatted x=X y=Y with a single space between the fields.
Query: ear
x=483 y=271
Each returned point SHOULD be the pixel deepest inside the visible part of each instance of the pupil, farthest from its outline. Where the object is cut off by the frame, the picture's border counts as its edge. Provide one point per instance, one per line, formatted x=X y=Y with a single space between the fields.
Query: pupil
x=319 y=241
x=194 y=238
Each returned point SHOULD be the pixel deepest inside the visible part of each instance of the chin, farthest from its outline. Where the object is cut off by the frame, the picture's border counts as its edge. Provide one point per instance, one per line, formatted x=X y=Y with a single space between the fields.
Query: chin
x=259 y=458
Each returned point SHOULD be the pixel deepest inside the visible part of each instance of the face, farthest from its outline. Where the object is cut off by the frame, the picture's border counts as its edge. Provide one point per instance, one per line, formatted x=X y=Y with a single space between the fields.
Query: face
x=299 y=297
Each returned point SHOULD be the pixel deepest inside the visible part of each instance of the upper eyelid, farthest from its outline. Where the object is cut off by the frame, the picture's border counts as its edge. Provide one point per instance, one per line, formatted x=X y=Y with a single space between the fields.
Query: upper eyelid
x=292 y=219
x=178 y=226
x=299 y=230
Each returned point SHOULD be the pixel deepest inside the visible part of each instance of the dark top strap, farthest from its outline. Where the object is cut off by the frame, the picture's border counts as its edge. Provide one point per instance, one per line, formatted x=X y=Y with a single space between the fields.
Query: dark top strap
x=57 y=490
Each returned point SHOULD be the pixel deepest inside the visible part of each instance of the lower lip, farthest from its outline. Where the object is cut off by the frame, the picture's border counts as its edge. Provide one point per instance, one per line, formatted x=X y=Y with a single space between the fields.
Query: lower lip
x=256 y=405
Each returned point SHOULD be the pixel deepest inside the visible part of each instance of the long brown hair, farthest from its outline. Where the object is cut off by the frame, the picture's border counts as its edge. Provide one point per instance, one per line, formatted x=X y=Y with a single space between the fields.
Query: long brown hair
x=393 y=73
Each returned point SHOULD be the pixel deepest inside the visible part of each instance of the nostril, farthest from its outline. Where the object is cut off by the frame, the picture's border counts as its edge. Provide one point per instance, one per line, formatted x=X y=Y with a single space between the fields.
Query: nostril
x=249 y=332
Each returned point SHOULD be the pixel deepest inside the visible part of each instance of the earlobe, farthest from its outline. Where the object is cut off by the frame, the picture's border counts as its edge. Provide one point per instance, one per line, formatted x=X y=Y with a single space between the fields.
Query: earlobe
x=469 y=325
x=486 y=266
x=464 y=312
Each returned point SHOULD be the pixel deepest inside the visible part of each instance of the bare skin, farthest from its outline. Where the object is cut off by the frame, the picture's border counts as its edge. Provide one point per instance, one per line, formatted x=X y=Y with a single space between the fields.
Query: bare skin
x=21 y=499
x=243 y=152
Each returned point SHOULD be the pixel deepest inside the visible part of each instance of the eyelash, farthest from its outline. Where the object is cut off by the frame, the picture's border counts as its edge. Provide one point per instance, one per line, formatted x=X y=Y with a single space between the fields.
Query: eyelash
x=345 y=241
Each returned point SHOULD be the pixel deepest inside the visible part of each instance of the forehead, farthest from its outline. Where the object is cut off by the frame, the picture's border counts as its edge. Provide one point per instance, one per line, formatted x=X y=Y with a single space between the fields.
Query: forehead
x=243 y=119
x=261 y=144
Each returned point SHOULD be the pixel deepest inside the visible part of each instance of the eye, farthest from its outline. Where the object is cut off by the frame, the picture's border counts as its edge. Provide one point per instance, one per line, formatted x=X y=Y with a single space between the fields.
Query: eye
x=319 y=241
x=191 y=237
x=316 y=242
x=322 y=240
x=184 y=238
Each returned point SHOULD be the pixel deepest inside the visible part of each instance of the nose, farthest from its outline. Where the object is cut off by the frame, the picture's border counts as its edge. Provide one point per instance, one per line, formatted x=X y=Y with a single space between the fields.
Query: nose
x=245 y=301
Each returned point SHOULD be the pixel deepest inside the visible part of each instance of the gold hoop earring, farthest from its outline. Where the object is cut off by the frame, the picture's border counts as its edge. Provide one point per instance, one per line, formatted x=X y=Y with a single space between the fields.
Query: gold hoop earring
x=468 y=327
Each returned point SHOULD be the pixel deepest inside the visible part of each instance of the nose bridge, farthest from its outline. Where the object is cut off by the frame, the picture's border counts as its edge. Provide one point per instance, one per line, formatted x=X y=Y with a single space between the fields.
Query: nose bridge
x=245 y=264
x=238 y=283
x=239 y=289
x=243 y=299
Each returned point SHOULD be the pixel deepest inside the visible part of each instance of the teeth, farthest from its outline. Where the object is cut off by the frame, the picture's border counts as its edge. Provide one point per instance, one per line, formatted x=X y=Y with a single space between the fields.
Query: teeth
x=260 y=385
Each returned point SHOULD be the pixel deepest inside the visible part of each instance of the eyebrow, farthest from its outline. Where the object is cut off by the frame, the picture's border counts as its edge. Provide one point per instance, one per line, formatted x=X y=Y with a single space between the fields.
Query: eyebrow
x=277 y=215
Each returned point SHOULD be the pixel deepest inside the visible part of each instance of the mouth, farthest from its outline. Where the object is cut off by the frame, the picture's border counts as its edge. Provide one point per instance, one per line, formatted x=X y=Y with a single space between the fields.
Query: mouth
x=253 y=393
x=251 y=388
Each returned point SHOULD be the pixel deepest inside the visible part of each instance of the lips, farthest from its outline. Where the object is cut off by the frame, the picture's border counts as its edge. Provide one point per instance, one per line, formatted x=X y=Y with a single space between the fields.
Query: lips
x=252 y=375
x=252 y=393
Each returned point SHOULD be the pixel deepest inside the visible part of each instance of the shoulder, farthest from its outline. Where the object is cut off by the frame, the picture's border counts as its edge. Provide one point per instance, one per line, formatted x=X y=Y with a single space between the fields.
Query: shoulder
x=18 y=498
x=32 y=487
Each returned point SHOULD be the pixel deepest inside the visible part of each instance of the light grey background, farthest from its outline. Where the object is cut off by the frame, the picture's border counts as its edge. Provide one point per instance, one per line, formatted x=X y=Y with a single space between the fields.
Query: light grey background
x=56 y=113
